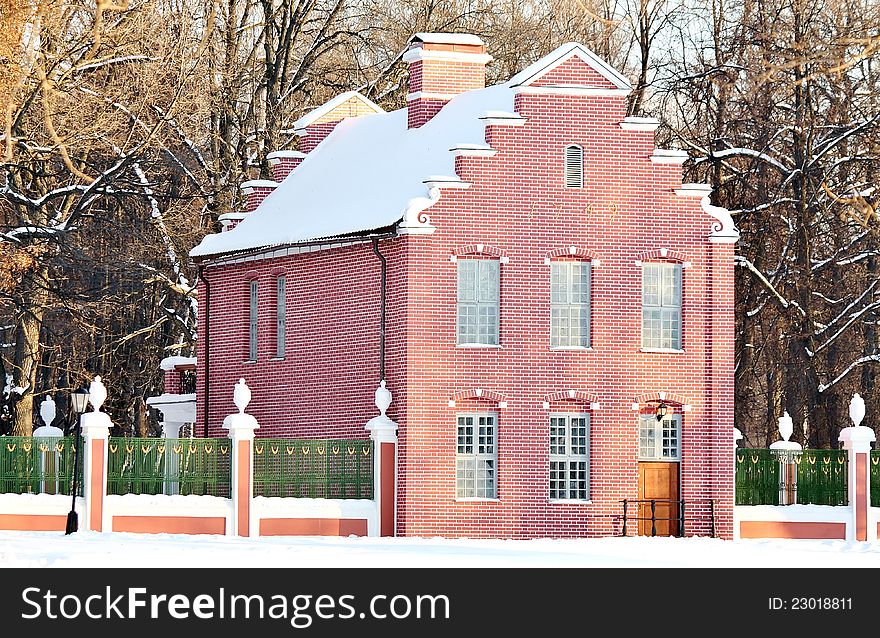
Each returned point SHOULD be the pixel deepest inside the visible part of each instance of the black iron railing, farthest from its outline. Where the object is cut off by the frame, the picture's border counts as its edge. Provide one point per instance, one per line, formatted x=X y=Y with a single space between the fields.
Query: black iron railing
x=646 y=510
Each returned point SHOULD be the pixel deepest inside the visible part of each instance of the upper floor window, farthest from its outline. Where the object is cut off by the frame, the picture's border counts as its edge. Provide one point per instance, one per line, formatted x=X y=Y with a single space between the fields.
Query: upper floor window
x=280 y=315
x=660 y=440
x=476 y=461
x=478 y=301
x=252 y=323
x=570 y=457
x=574 y=166
x=570 y=304
x=661 y=306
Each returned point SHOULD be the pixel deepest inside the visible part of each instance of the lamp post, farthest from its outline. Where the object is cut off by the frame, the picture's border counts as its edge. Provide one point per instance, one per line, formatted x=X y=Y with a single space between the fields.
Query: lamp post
x=78 y=401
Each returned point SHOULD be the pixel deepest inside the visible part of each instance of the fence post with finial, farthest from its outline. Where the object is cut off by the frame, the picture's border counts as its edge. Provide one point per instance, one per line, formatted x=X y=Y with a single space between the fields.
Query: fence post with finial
x=857 y=439
x=383 y=432
x=241 y=428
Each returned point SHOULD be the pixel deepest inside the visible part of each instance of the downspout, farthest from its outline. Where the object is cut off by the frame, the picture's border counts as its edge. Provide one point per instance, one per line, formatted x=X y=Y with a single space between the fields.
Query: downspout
x=203 y=313
x=382 y=289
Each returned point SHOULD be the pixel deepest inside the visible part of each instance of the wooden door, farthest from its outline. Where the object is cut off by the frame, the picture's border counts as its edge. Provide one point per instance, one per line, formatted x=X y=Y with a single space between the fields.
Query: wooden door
x=658 y=480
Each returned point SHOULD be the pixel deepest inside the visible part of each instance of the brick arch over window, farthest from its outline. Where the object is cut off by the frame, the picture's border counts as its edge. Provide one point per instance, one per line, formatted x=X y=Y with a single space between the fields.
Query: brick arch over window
x=484 y=250
x=660 y=395
x=572 y=251
x=572 y=395
x=479 y=394
x=662 y=254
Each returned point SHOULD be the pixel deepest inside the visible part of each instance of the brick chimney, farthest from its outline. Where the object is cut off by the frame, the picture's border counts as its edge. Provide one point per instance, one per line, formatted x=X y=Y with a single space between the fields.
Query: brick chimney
x=442 y=65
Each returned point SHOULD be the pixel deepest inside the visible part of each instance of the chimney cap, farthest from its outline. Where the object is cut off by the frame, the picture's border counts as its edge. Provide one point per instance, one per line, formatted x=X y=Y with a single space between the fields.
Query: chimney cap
x=447 y=38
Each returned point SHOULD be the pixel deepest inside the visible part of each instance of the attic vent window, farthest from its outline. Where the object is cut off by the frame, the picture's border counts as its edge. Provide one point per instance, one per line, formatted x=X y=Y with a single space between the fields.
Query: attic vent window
x=574 y=166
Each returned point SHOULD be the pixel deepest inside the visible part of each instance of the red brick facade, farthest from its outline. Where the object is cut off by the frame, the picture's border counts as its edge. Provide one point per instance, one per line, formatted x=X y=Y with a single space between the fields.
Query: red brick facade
x=517 y=210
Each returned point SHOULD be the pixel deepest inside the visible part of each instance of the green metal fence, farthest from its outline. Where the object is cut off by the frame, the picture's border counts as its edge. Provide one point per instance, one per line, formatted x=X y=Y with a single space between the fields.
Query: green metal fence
x=758 y=479
x=341 y=468
x=42 y=465
x=822 y=477
x=780 y=477
x=169 y=466
x=875 y=478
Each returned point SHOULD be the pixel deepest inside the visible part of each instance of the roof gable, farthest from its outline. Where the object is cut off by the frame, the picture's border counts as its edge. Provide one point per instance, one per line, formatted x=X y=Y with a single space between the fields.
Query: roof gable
x=348 y=104
x=571 y=64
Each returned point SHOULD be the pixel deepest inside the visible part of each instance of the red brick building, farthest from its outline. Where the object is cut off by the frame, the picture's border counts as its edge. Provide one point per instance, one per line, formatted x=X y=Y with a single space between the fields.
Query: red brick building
x=557 y=307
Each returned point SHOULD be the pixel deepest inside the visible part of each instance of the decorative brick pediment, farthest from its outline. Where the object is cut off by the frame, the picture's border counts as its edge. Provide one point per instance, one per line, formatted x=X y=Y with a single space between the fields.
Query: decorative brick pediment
x=478 y=394
x=661 y=396
x=663 y=254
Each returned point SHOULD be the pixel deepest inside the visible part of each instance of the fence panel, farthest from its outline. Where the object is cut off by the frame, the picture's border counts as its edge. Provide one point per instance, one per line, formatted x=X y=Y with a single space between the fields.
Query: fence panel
x=341 y=468
x=875 y=478
x=822 y=477
x=758 y=480
x=38 y=465
x=169 y=466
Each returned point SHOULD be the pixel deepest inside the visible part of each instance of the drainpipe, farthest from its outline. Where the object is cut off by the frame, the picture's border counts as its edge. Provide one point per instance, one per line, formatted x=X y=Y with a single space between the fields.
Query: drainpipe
x=382 y=308
x=203 y=318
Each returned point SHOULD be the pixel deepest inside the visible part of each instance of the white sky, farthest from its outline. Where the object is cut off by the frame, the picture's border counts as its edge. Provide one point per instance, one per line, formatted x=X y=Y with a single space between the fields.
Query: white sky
x=93 y=549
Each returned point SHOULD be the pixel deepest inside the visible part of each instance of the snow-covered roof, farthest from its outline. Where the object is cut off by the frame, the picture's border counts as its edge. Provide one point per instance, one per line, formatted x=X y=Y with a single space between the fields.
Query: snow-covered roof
x=370 y=169
x=447 y=38
x=316 y=114
x=170 y=363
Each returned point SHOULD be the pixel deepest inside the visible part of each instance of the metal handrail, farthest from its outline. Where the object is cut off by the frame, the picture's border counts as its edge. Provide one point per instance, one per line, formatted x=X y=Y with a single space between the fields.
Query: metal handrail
x=680 y=518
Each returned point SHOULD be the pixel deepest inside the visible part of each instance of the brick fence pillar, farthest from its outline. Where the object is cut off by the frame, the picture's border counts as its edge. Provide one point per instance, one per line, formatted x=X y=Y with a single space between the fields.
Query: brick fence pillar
x=241 y=428
x=95 y=428
x=857 y=441
x=383 y=432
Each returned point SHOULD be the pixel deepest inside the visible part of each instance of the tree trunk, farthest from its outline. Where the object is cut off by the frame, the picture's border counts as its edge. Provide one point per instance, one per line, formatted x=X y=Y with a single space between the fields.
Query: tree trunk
x=29 y=322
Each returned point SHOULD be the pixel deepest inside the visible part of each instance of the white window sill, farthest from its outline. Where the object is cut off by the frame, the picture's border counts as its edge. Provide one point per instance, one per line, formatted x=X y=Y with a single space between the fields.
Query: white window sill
x=277 y=359
x=662 y=350
x=569 y=501
x=477 y=345
x=478 y=500
x=250 y=361
x=571 y=348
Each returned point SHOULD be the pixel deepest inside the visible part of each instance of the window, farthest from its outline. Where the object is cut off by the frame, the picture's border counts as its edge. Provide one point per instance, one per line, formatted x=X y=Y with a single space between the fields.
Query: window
x=476 y=459
x=569 y=304
x=661 y=306
x=660 y=440
x=570 y=457
x=574 y=166
x=280 y=315
x=252 y=324
x=478 y=301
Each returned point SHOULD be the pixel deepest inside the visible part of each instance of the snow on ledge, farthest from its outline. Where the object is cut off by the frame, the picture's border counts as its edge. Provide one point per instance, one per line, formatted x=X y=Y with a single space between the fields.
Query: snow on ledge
x=448 y=38
x=170 y=363
x=793 y=513
x=165 y=505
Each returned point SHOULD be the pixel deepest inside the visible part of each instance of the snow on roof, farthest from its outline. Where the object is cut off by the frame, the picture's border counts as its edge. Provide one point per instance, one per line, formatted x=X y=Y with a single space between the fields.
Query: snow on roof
x=370 y=169
x=447 y=38
x=325 y=108
x=169 y=363
x=562 y=53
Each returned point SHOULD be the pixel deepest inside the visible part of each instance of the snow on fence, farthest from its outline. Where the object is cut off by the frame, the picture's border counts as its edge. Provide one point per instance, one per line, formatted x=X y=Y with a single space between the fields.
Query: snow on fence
x=239 y=485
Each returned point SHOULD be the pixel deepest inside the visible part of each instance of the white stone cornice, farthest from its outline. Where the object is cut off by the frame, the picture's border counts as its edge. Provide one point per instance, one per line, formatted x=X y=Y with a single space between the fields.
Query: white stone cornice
x=669 y=156
x=426 y=95
x=502 y=118
x=633 y=123
x=418 y=54
x=473 y=150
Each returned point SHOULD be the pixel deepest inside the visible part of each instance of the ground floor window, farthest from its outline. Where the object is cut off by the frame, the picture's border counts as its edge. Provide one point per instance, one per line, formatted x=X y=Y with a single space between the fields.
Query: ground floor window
x=569 y=457
x=476 y=463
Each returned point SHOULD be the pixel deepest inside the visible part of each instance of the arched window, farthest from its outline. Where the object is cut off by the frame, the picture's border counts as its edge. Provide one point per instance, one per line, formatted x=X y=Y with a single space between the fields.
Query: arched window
x=574 y=166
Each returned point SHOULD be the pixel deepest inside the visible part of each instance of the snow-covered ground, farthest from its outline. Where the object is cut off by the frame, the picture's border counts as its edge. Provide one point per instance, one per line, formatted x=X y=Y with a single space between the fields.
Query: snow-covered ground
x=93 y=549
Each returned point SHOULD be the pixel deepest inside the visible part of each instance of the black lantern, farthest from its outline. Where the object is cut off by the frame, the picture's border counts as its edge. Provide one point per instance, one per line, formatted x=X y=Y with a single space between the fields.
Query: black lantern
x=661 y=411
x=78 y=401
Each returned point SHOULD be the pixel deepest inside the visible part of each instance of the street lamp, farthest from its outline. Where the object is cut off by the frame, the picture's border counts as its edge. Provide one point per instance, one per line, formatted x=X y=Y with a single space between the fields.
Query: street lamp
x=78 y=401
x=661 y=411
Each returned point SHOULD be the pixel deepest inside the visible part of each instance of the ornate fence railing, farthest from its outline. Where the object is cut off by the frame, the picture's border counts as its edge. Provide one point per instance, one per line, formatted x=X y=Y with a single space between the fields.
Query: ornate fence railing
x=38 y=465
x=875 y=478
x=337 y=468
x=169 y=466
x=785 y=477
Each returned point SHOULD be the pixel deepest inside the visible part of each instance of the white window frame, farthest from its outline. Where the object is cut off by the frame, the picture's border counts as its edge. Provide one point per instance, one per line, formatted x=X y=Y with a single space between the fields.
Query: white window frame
x=280 y=315
x=663 y=306
x=569 y=306
x=659 y=446
x=484 y=305
x=566 y=452
x=253 y=320
x=475 y=453
x=574 y=166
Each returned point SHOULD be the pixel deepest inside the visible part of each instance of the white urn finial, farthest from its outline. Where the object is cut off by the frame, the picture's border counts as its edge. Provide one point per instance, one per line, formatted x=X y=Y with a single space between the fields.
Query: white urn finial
x=97 y=393
x=737 y=436
x=786 y=426
x=383 y=397
x=241 y=395
x=857 y=409
x=47 y=410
